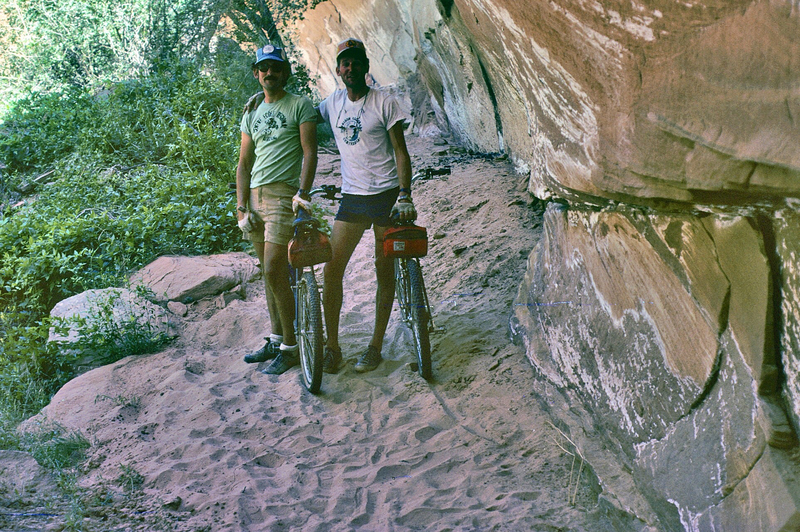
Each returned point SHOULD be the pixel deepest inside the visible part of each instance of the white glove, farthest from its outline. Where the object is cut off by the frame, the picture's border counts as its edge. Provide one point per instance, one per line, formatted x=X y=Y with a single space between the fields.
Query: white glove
x=404 y=210
x=244 y=224
x=298 y=203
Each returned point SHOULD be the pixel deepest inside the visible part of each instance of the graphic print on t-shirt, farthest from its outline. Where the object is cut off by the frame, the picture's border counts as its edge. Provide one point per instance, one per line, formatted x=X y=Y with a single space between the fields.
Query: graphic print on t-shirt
x=271 y=122
x=351 y=129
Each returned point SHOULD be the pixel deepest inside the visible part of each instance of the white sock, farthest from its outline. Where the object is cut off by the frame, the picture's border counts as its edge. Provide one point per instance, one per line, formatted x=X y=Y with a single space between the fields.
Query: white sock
x=276 y=338
x=291 y=348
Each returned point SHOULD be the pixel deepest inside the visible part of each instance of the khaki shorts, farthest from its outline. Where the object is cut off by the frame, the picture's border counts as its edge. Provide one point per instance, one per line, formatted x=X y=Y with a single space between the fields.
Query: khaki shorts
x=271 y=206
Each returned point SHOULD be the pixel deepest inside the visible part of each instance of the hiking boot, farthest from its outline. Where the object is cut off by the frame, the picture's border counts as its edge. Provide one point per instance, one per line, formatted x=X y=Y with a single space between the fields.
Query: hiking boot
x=369 y=360
x=270 y=350
x=331 y=360
x=282 y=363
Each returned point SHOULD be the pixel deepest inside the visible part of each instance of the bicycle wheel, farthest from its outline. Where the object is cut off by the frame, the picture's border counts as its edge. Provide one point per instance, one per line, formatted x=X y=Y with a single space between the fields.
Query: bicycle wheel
x=309 y=331
x=403 y=289
x=419 y=318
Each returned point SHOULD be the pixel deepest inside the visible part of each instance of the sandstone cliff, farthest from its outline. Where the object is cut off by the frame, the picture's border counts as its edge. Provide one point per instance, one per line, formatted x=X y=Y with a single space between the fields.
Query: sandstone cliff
x=662 y=303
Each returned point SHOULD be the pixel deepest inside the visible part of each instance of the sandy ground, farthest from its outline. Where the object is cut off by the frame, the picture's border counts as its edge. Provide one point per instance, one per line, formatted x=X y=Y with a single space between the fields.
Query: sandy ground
x=194 y=439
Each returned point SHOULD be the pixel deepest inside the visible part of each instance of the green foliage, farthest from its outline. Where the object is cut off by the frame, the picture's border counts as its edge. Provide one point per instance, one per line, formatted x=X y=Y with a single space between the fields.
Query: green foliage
x=48 y=44
x=93 y=226
x=129 y=478
x=178 y=114
x=147 y=175
x=43 y=128
x=114 y=329
x=84 y=42
x=54 y=447
x=30 y=370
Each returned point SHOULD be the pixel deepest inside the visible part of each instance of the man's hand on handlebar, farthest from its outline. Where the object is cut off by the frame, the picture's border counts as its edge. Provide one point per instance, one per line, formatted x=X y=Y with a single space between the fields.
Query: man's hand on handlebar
x=300 y=202
x=404 y=210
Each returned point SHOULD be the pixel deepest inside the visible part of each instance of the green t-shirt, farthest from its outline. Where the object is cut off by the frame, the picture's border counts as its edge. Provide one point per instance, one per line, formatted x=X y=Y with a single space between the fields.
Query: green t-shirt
x=275 y=130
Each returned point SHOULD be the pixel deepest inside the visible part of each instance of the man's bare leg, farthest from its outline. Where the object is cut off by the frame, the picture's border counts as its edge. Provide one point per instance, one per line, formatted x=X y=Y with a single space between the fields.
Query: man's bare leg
x=280 y=299
x=272 y=307
x=384 y=297
x=345 y=236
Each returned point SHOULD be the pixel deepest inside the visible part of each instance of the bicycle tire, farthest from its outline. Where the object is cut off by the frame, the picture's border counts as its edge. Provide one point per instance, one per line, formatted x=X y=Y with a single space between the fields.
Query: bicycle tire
x=419 y=318
x=403 y=290
x=309 y=332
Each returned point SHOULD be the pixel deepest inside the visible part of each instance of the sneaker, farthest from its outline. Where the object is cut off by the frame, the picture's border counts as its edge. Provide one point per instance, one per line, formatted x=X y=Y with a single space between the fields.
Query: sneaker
x=369 y=360
x=331 y=360
x=269 y=351
x=282 y=363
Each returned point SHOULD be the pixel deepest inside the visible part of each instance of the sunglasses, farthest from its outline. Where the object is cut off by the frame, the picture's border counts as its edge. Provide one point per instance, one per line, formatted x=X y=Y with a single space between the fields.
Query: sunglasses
x=266 y=67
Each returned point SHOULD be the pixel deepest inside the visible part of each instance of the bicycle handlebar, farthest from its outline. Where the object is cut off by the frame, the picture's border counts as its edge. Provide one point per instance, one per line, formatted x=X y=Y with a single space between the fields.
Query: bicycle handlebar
x=427 y=173
x=326 y=191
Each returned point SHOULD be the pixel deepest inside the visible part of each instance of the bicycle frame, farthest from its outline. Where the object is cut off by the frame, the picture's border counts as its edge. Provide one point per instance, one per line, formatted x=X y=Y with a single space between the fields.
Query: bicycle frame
x=308 y=308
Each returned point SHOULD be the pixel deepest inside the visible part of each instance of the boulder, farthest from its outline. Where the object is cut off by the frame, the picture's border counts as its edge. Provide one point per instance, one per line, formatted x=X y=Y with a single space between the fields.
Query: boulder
x=115 y=315
x=188 y=279
x=659 y=328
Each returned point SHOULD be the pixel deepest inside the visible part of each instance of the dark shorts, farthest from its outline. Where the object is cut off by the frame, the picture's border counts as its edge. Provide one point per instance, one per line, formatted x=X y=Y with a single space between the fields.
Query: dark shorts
x=373 y=209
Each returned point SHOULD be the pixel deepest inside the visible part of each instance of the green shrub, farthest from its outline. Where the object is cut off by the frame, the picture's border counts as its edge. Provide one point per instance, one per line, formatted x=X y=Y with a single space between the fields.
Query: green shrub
x=55 y=447
x=92 y=227
x=111 y=331
x=139 y=172
x=43 y=127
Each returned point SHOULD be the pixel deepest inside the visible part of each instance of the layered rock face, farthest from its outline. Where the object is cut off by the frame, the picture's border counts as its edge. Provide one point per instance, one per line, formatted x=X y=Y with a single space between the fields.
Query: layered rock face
x=662 y=304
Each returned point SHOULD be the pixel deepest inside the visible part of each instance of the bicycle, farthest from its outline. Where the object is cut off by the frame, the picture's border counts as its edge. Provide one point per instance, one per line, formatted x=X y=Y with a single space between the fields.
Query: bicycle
x=307 y=293
x=405 y=243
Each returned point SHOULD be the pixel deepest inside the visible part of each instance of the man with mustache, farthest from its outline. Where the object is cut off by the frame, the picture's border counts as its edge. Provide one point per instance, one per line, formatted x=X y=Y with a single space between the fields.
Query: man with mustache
x=277 y=163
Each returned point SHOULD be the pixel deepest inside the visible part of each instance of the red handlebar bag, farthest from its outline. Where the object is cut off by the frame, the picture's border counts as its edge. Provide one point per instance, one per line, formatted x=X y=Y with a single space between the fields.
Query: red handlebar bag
x=308 y=247
x=406 y=241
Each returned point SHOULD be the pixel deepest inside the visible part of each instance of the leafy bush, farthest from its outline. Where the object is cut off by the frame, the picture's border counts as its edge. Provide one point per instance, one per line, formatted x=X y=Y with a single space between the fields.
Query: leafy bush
x=178 y=116
x=139 y=171
x=82 y=42
x=55 y=447
x=43 y=128
x=93 y=226
x=116 y=327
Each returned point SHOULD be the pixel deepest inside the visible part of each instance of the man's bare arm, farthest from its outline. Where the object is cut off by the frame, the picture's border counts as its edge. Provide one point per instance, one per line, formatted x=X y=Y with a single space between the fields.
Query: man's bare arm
x=253 y=102
x=308 y=141
x=247 y=157
x=402 y=158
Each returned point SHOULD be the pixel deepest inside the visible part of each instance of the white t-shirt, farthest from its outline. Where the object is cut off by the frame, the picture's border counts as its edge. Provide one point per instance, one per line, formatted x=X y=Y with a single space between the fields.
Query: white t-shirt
x=361 y=130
